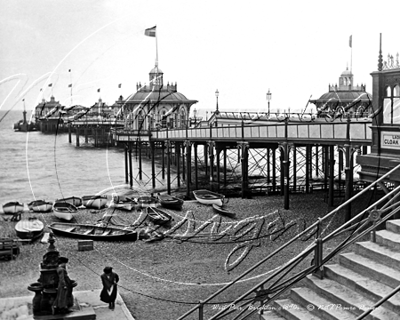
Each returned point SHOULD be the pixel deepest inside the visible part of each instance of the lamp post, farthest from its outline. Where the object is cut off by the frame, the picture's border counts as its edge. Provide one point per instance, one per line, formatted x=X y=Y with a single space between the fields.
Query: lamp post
x=269 y=94
x=195 y=116
x=216 y=110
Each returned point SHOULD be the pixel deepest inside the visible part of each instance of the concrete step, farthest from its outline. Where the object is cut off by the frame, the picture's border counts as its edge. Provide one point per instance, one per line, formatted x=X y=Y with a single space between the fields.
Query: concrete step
x=321 y=306
x=371 y=269
x=289 y=310
x=342 y=296
x=367 y=287
x=271 y=315
x=379 y=253
x=393 y=226
x=389 y=239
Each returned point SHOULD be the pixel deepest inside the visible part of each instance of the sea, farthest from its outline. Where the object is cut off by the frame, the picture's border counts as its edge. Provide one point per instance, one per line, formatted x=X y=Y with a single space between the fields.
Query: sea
x=35 y=166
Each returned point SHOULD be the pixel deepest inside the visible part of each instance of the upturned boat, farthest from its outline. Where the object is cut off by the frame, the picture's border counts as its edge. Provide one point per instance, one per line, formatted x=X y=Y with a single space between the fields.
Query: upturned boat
x=94 y=232
x=94 y=201
x=208 y=197
x=40 y=206
x=76 y=201
x=31 y=228
x=158 y=216
x=170 y=202
x=222 y=210
x=64 y=210
x=13 y=207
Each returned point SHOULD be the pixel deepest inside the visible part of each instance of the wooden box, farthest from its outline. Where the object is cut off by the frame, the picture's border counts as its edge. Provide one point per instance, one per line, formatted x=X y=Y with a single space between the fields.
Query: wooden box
x=85 y=245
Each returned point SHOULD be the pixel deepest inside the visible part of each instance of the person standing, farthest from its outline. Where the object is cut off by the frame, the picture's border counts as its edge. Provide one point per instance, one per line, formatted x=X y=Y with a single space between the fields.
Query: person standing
x=64 y=299
x=109 y=292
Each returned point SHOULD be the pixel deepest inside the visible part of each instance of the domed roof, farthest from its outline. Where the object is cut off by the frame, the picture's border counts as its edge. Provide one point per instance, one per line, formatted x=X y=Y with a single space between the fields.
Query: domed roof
x=346 y=72
x=156 y=69
x=157 y=95
x=346 y=96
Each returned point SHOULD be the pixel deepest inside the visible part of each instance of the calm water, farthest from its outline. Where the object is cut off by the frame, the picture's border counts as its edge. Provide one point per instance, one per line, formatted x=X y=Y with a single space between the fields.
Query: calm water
x=45 y=166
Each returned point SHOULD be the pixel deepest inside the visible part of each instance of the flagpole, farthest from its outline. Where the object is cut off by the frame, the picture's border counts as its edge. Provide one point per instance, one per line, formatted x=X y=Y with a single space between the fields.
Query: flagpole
x=156 y=50
x=351 y=54
x=70 y=81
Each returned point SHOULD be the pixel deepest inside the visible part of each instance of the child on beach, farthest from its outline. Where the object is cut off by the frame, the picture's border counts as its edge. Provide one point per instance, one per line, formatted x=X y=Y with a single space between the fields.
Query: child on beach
x=109 y=292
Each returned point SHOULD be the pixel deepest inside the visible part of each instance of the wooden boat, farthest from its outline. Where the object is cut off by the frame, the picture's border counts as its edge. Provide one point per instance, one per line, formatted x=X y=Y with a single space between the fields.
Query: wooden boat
x=170 y=202
x=30 y=228
x=94 y=201
x=94 y=232
x=223 y=211
x=208 y=197
x=64 y=210
x=158 y=216
x=13 y=207
x=40 y=206
x=76 y=201
x=147 y=201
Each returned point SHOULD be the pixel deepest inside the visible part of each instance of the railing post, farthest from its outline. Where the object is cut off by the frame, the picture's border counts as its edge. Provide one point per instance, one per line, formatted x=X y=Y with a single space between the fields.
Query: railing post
x=318 y=255
x=201 y=310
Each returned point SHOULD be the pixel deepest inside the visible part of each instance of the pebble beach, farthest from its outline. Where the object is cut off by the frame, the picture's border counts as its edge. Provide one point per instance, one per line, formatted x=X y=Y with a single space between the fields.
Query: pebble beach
x=164 y=279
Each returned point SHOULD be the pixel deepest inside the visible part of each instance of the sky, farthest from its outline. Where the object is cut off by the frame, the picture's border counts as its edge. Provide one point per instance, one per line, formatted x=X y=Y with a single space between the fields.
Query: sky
x=242 y=48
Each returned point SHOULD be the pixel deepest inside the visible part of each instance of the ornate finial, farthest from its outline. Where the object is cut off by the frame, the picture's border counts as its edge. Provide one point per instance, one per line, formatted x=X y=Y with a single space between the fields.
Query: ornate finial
x=380 y=64
x=397 y=60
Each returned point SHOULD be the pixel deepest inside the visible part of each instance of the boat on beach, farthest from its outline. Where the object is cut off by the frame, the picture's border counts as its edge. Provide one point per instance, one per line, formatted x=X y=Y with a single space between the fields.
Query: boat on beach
x=31 y=228
x=94 y=201
x=13 y=207
x=94 y=232
x=170 y=202
x=147 y=201
x=205 y=196
x=158 y=216
x=223 y=211
x=76 y=201
x=64 y=210
x=40 y=206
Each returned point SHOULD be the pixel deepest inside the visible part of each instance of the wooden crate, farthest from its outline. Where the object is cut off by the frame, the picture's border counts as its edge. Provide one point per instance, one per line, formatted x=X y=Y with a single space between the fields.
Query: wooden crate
x=85 y=245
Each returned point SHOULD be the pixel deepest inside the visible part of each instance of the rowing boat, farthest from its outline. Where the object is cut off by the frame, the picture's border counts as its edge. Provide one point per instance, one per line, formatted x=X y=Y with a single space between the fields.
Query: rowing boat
x=170 y=202
x=223 y=211
x=13 y=207
x=94 y=232
x=30 y=228
x=208 y=197
x=94 y=201
x=64 y=210
x=76 y=201
x=147 y=201
x=40 y=206
x=158 y=216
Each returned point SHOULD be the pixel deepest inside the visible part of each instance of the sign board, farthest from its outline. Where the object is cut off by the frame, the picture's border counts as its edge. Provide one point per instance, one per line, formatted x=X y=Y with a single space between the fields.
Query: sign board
x=390 y=140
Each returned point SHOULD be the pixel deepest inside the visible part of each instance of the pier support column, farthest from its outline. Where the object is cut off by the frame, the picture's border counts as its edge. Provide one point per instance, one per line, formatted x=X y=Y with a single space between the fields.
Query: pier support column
x=126 y=164
x=211 y=145
x=225 y=167
x=268 y=165
x=153 y=164
x=168 y=145
x=139 y=149
x=308 y=167
x=178 y=163
x=294 y=157
x=130 y=166
x=206 y=159
x=349 y=171
x=316 y=161
x=331 y=175
x=244 y=147
x=326 y=166
x=196 y=176
x=218 y=153
x=163 y=160
x=86 y=134
x=182 y=146
x=77 y=136
x=273 y=150
x=69 y=133
x=285 y=165
x=188 y=146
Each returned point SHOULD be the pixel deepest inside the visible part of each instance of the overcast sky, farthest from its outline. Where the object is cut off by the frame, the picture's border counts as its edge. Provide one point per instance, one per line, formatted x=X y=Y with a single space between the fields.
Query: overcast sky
x=295 y=48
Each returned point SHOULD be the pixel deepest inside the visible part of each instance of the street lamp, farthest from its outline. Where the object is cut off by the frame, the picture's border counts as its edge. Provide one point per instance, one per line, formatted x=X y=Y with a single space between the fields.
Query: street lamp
x=195 y=116
x=269 y=94
x=216 y=110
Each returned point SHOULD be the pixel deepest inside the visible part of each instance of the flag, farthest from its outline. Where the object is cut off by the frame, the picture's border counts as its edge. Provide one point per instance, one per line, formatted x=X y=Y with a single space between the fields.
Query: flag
x=150 y=32
x=98 y=90
x=69 y=70
x=50 y=84
x=40 y=89
x=119 y=86
x=70 y=85
x=351 y=41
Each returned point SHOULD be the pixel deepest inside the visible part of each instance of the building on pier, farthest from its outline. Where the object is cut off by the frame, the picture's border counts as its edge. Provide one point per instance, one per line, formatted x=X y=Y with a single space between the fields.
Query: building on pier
x=156 y=105
x=344 y=98
x=385 y=148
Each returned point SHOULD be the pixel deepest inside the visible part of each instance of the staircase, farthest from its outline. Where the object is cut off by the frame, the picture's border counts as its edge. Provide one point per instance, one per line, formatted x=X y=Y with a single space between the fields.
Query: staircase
x=360 y=279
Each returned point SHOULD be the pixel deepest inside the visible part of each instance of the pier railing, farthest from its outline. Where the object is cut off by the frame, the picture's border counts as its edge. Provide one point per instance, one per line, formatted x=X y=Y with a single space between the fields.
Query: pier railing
x=358 y=132
x=263 y=294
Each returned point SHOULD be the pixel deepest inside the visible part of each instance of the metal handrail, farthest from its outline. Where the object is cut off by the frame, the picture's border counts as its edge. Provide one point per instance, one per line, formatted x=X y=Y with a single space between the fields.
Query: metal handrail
x=302 y=255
